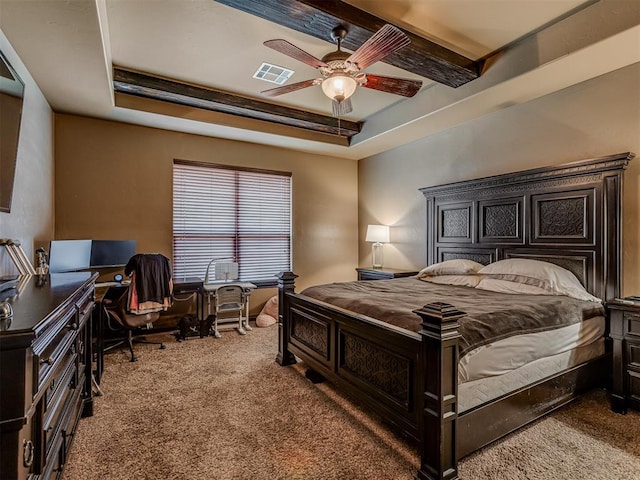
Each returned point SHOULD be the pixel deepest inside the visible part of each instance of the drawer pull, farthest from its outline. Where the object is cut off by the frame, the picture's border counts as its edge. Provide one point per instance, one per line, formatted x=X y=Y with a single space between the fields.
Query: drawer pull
x=27 y=453
x=46 y=361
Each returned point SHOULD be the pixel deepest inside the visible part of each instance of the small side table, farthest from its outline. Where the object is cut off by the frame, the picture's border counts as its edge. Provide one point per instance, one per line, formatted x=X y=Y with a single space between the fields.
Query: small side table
x=383 y=273
x=625 y=332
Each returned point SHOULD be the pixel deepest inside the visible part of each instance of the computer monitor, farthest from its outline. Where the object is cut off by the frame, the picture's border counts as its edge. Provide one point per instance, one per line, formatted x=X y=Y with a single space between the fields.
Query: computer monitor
x=111 y=253
x=69 y=255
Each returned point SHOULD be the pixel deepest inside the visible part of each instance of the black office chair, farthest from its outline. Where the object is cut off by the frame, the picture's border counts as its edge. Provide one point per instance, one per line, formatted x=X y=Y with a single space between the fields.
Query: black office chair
x=150 y=291
x=116 y=309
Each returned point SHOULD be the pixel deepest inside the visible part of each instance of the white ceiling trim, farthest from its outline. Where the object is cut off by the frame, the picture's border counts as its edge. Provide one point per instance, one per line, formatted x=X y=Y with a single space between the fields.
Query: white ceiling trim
x=103 y=24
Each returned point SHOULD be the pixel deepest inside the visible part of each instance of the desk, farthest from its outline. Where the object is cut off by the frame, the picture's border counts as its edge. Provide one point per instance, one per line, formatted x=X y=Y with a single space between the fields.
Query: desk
x=190 y=285
x=210 y=289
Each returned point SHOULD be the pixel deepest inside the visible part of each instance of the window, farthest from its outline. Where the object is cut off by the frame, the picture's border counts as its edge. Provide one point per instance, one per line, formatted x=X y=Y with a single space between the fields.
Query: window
x=220 y=213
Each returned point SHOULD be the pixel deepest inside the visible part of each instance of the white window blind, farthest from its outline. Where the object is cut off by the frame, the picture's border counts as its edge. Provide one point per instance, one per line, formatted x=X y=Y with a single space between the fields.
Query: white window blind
x=222 y=213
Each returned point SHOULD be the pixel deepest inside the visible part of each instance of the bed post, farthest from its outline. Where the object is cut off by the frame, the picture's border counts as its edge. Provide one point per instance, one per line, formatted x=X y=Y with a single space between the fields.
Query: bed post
x=286 y=284
x=440 y=400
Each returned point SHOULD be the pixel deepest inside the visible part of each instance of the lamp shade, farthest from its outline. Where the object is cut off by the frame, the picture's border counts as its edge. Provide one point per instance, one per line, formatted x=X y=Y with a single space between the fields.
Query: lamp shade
x=339 y=86
x=377 y=233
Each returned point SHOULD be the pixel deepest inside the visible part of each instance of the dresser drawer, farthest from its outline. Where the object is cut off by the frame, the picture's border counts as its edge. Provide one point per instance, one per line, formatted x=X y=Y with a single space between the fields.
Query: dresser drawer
x=54 y=461
x=50 y=356
x=59 y=382
x=634 y=386
x=633 y=355
x=53 y=358
x=59 y=442
x=59 y=438
x=632 y=324
x=85 y=307
x=370 y=275
x=70 y=422
x=58 y=404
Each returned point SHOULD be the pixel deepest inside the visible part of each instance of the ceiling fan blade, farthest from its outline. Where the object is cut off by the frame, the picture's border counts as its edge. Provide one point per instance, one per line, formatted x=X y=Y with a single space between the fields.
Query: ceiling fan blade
x=294 y=52
x=400 y=86
x=274 y=92
x=384 y=42
x=341 y=108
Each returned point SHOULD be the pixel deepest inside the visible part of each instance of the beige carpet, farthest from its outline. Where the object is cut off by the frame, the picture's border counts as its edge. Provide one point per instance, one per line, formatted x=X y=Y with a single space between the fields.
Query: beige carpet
x=223 y=409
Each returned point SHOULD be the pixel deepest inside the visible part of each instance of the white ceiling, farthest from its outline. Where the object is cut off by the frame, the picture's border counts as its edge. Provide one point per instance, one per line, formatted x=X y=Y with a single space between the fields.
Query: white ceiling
x=69 y=47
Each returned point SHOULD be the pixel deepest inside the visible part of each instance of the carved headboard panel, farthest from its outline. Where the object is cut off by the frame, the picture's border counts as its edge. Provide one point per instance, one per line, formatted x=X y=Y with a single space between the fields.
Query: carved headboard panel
x=569 y=215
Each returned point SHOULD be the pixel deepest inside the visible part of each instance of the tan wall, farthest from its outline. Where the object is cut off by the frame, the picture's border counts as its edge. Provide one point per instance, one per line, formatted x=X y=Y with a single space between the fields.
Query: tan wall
x=114 y=181
x=592 y=119
x=31 y=216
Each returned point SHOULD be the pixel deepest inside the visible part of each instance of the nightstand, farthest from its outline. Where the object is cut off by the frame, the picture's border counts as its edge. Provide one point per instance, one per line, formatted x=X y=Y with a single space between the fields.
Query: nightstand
x=625 y=332
x=383 y=273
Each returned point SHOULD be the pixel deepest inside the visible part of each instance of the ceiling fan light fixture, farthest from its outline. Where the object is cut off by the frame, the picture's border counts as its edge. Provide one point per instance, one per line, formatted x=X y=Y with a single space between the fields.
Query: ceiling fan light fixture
x=339 y=86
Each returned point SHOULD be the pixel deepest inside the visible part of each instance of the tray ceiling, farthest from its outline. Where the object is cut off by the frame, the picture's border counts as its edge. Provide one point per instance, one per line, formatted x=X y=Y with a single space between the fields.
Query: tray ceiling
x=72 y=46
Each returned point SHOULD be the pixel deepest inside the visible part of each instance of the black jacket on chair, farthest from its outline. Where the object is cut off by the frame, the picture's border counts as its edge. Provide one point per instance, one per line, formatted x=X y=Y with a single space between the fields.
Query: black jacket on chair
x=152 y=277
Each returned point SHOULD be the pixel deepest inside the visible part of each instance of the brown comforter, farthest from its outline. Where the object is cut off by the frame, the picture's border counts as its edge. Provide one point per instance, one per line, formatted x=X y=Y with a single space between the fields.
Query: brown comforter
x=490 y=316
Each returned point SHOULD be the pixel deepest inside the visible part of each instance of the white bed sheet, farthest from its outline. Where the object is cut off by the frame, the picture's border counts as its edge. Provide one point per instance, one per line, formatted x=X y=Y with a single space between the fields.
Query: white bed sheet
x=504 y=356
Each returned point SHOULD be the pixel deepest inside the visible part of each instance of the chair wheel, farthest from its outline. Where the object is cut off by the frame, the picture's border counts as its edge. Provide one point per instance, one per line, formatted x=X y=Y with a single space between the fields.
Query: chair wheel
x=162 y=347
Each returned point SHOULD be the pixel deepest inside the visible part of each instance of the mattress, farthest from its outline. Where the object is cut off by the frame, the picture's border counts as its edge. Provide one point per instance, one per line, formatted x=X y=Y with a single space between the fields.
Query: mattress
x=476 y=392
x=506 y=355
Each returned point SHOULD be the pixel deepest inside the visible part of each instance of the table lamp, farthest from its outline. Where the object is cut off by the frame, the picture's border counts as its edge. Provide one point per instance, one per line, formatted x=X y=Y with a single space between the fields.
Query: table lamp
x=378 y=234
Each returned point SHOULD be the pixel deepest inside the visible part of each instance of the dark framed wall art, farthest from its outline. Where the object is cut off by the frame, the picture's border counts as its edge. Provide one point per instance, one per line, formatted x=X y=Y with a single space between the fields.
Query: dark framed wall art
x=11 y=94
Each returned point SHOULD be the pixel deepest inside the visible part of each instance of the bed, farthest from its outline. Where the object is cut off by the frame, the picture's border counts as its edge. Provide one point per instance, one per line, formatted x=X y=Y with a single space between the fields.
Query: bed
x=569 y=216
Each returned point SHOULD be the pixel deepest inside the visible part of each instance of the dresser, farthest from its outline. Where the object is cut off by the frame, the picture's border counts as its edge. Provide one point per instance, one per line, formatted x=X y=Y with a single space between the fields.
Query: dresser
x=45 y=372
x=625 y=333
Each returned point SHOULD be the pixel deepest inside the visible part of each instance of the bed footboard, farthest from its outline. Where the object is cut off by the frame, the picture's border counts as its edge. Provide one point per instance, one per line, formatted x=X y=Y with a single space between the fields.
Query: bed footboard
x=408 y=379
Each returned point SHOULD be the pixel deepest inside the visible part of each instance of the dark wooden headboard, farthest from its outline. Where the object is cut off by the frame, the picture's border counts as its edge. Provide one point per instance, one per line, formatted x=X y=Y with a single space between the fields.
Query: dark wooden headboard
x=570 y=215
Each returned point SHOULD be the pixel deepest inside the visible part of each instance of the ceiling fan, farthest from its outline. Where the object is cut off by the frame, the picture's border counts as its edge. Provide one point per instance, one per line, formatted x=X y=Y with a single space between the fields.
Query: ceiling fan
x=342 y=72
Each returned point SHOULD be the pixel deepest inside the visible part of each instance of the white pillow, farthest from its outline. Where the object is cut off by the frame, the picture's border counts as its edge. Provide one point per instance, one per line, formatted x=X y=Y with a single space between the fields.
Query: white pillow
x=462 y=280
x=548 y=277
x=458 y=266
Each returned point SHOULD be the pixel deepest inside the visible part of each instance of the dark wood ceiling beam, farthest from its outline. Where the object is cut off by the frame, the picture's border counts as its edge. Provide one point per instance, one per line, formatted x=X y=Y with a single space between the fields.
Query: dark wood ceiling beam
x=318 y=18
x=158 y=88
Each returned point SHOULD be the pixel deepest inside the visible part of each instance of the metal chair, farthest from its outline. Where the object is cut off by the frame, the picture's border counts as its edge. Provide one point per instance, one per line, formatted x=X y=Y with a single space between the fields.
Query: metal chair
x=229 y=299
